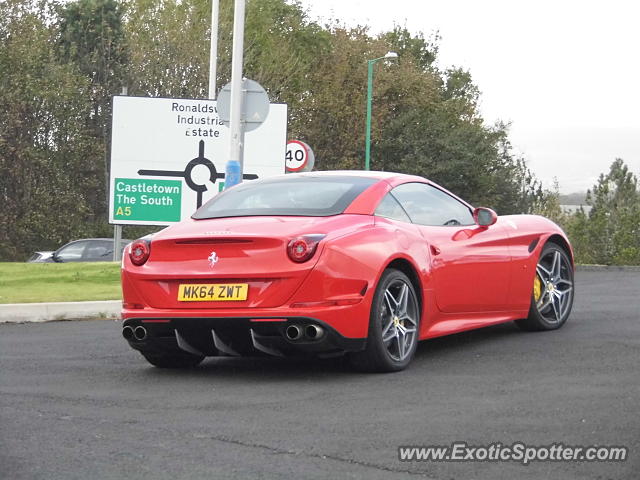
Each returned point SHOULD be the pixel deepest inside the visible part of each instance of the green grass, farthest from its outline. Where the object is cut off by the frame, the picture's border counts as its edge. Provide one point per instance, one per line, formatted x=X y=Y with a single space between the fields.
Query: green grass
x=59 y=282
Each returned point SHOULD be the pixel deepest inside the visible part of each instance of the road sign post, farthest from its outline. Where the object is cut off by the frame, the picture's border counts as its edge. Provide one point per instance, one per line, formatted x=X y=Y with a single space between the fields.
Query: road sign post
x=254 y=109
x=213 y=48
x=234 y=166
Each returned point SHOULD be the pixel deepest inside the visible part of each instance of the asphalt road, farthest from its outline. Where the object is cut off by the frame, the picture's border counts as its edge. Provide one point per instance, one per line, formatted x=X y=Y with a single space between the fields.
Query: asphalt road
x=76 y=402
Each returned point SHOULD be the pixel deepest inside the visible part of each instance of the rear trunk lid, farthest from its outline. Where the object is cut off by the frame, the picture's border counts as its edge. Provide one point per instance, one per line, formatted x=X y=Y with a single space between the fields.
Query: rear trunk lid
x=229 y=252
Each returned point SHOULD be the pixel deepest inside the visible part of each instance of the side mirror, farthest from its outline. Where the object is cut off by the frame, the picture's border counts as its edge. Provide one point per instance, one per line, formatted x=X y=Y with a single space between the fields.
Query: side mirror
x=485 y=217
x=55 y=257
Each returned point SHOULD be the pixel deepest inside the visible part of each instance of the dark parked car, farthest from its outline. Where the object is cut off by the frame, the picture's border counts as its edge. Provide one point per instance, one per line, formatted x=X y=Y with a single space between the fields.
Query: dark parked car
x=84 y=250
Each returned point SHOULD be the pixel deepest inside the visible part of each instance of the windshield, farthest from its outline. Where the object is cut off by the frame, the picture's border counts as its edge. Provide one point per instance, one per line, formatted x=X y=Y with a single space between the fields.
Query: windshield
x=292 y=195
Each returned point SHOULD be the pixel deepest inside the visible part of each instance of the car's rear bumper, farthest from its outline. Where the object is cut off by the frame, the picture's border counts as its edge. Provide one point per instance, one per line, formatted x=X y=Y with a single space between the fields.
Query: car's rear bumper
x=245 y=336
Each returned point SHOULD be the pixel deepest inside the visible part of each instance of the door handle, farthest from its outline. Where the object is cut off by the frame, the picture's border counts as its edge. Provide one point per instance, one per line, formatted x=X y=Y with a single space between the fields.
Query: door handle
x=435 y=250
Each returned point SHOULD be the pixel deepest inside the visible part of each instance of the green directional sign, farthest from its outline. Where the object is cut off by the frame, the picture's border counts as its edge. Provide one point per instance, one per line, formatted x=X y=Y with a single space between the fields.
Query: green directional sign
x=147 y=200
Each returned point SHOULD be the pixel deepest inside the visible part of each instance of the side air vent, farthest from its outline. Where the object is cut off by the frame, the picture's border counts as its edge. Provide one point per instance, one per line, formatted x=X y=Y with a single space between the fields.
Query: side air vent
x=533 y=244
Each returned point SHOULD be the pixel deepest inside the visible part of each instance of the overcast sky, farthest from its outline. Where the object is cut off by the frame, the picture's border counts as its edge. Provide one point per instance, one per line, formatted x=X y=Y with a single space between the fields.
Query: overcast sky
x=566 y=73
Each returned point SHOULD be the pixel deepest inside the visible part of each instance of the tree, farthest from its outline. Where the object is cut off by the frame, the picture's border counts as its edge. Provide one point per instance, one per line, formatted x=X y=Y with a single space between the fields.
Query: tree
x=169 y=46
x=443 y=138
x=548 y=204
x=610 y=233
x=42 y=136
x=422 y=51
x=91 y=38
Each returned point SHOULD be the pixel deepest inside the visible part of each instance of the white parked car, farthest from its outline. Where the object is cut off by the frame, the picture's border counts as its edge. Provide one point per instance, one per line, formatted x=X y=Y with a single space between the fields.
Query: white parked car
x=40 y=257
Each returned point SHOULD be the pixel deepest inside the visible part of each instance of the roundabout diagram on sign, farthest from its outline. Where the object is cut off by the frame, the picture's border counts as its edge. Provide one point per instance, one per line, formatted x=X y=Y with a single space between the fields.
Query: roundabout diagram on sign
x=188 y=176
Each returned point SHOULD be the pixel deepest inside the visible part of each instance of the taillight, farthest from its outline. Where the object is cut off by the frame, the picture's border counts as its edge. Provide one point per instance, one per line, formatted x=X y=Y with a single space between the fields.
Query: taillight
x=140 y=250
x=302 y=248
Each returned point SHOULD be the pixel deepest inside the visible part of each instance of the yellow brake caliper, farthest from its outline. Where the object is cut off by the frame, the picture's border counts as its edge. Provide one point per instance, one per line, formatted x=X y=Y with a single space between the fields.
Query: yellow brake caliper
x=537 y=288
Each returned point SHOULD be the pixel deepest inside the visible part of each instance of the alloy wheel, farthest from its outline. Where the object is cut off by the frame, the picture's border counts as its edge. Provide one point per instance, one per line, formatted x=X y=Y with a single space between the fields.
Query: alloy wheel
x=553 y=286
x=399 y=320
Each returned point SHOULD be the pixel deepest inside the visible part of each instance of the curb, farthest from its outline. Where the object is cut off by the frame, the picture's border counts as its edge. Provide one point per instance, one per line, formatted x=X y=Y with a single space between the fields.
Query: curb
x=610 y=268
x=47 y=312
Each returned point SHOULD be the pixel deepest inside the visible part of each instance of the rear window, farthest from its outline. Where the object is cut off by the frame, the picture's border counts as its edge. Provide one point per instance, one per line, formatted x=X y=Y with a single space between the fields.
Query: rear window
x=292 y=195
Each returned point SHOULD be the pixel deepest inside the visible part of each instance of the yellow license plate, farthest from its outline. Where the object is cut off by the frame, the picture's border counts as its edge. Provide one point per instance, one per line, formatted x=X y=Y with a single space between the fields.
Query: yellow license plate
x=213 y=292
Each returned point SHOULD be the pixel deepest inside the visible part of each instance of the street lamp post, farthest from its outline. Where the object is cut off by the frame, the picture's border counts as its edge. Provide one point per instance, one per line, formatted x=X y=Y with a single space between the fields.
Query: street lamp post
x=367 y=155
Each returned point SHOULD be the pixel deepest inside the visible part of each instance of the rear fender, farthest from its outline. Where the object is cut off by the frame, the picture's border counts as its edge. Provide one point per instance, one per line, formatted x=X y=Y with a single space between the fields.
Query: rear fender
x=350 y=267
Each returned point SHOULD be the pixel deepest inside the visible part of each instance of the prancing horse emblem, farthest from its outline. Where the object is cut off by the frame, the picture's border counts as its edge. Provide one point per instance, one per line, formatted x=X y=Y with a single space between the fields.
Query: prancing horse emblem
x=213 y=259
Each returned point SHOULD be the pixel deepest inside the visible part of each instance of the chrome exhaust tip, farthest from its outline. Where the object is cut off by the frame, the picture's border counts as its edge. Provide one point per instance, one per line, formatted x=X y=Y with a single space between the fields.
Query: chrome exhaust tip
x=140 y=333
x=293 y=332
x=127 y=332
x=313 y=332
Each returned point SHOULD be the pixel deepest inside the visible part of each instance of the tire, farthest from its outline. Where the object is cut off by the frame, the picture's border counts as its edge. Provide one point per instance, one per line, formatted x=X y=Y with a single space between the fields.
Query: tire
x=165 y=360
x=552 y=292
x=394 y=324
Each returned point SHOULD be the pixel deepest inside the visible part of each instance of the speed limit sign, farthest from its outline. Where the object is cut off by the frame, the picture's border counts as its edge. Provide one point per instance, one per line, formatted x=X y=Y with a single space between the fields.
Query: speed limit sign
x=299 y=157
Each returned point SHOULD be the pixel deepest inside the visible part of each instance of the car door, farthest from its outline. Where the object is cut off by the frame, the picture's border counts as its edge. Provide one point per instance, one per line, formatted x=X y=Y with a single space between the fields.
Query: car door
x=72 y=252
x=470 y=264
x=98 y=251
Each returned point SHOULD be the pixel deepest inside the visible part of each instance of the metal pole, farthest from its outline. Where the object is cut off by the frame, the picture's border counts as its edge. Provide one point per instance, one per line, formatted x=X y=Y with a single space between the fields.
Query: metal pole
x=213 y=51
x=117 y=229
x=117 y=241
x=389 y=56
x=367 y=151
x=233 y=174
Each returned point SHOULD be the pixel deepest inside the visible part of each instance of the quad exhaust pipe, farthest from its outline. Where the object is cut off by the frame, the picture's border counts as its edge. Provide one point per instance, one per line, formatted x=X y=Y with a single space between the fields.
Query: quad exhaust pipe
x=138 y=333
x=127 y=332
x=313 y=332
x=293 y=332
x=309 y=332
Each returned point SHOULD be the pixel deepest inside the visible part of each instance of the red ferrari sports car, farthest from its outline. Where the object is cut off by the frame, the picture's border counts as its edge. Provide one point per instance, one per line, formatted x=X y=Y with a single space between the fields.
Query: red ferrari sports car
x=331 y=263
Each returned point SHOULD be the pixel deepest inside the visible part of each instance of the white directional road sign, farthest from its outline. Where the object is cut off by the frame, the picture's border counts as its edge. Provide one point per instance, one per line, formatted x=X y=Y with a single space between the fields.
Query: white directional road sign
x=168 y=156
